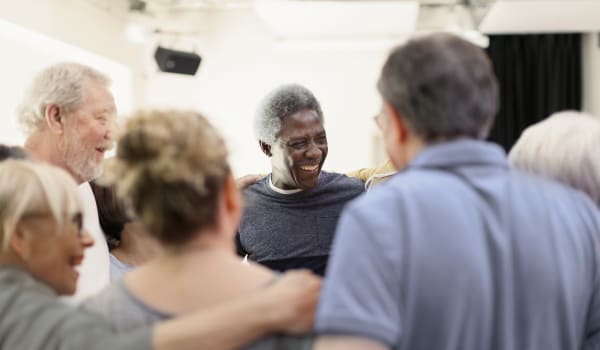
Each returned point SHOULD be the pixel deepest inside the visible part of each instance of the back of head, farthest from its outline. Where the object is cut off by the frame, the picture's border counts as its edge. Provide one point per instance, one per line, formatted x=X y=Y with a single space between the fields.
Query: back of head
x=442 y=86
x=170 y=166
x=28 y=188
x=61 y=84
x=563 y=147
x=279 y=104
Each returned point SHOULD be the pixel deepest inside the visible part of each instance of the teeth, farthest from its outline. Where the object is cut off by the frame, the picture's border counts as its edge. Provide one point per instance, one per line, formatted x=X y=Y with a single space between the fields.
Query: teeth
x=309 y=168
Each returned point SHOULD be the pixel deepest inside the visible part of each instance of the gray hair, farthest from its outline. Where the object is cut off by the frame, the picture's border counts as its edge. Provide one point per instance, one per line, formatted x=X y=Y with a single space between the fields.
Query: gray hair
x=442 y=86
x=61 y=84
x=280 y=104
x=563 y=147
x=28 y=187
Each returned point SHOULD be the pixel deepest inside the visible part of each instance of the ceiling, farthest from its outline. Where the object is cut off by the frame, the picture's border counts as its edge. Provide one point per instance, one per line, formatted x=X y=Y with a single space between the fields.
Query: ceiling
x=376 y=18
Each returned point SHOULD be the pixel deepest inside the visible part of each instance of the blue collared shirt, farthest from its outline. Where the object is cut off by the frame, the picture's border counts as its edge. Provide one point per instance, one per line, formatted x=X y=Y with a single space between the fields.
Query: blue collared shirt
x=458 y=251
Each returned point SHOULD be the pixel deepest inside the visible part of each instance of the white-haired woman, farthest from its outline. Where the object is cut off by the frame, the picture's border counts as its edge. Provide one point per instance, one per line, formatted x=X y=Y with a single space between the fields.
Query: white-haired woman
x=42 y=243
x=563 y=147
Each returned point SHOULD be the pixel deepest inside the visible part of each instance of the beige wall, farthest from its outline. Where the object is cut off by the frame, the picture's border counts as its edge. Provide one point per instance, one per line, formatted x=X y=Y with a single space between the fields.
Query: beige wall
x=241 y=63
x=35 y=34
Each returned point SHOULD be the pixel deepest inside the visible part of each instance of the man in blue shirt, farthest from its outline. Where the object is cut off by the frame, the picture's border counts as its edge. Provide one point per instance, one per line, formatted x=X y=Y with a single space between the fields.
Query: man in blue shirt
x=458 y=251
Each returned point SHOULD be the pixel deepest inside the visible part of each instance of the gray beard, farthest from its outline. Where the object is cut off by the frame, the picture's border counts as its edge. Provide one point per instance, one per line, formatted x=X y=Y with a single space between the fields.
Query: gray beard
x=76 y=160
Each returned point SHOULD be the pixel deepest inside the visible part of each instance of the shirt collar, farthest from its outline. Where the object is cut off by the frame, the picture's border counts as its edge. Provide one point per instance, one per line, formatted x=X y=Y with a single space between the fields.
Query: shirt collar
x=282 y=191
x=460 y=152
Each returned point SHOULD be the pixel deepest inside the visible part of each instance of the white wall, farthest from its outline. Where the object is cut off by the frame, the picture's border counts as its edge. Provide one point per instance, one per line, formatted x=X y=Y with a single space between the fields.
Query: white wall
x=35 y=34
x=242 y=62
x=591 y=73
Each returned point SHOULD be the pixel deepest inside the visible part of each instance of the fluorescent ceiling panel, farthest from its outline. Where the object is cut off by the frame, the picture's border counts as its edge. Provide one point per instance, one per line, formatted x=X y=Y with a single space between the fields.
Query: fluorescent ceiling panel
x=293 y=18
x=542 y=16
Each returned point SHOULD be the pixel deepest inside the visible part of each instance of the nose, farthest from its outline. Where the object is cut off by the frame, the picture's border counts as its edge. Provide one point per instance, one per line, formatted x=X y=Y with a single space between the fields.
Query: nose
x=86 y=239
x=111 y=128
x=313 y=151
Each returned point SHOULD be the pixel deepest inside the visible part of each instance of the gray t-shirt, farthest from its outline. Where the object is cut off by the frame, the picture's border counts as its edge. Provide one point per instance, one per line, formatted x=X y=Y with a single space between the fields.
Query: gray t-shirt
x=460 y=252
x=32 y=318
x=291 y=231
x=126 y=312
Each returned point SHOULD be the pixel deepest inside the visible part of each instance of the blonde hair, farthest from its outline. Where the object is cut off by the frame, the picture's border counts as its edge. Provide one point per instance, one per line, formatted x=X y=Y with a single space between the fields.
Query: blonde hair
x=34 y=188
x=61 y=84
x=563 y=147
x=170 y=167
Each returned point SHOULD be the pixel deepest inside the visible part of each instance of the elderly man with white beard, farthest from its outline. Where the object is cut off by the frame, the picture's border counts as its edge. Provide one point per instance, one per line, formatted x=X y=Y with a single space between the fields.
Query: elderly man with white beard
x=68 y=114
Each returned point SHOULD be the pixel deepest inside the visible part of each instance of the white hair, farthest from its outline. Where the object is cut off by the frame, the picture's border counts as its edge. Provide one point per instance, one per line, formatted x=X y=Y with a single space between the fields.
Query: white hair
x=280 y=104
x=28 y=187
x=61 y=84
x=563 y=147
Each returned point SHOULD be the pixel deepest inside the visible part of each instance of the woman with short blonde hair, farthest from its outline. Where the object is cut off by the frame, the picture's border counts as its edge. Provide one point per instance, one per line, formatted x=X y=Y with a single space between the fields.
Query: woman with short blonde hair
x=42 y=242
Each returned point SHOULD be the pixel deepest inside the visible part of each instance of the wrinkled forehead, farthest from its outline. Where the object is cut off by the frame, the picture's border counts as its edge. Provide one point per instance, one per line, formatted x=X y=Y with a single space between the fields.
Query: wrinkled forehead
x=304 y=122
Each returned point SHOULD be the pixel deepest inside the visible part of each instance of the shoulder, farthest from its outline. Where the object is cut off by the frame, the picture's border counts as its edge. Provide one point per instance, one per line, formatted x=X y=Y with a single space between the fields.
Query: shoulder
x=258 y=188
x=31 y=308
x=341 y=181
x=105 y=302
x=561 y=196
x=386 y=204
x=121 y=308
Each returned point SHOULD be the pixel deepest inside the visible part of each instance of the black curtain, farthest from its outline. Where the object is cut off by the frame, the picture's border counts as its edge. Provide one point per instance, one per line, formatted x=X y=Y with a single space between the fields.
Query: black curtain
x=538 y=75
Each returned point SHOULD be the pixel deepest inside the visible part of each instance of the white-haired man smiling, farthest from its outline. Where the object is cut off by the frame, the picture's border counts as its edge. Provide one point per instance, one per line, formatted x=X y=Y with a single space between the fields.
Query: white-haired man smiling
x=68 y=114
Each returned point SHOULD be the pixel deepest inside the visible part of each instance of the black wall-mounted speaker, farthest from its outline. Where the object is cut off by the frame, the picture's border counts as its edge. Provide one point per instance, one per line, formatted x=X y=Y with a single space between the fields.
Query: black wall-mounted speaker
x=173 y=61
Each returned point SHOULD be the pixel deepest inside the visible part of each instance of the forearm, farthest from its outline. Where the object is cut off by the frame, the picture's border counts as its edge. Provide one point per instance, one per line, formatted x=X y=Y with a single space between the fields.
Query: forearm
x=229 y=326
x=347 y=343
x=287 y=306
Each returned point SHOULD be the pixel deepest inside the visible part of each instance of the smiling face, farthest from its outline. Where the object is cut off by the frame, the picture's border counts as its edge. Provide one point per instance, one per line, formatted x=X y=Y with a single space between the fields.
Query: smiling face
x=299 y=152
x=88 y=133
x=51 y=253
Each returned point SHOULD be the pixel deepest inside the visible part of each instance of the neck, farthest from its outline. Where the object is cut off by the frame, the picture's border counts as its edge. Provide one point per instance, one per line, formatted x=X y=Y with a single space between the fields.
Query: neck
x=206 y=240
x=414 y=147
x=204 y=272
x=44 y=148
x=408 y=151
x=278 y=182
x=8 y=258
x=195 y=256
x=284 y=189
x=135 y=248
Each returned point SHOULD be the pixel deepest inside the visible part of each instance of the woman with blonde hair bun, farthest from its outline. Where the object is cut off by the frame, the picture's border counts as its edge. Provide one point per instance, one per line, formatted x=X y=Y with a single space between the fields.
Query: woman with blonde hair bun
x=171 y=168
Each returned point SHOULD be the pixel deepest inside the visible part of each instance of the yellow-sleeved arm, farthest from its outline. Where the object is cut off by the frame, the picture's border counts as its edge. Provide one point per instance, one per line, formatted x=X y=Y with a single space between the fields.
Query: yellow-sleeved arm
x=365 y=173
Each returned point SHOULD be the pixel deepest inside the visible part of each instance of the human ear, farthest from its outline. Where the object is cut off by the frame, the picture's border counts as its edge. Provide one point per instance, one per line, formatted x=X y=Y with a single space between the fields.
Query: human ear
x=397 y=123
x=19 y=241
x=233 y=197
x=231 y=205
x=54 y=117
x=266 y=148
